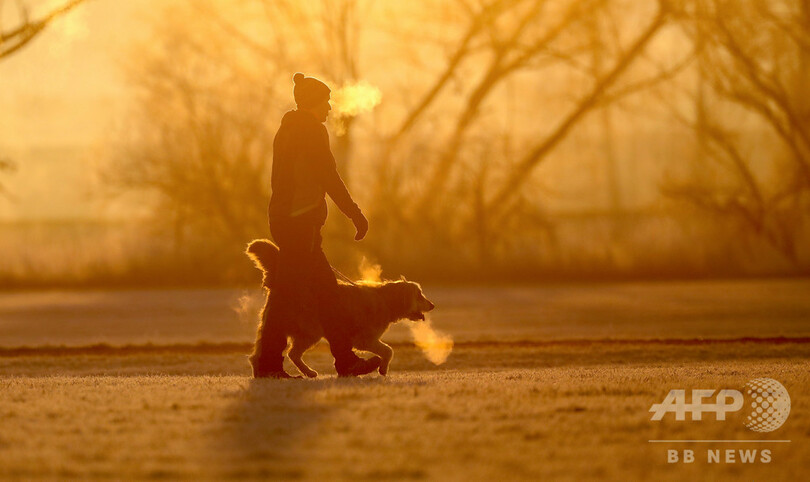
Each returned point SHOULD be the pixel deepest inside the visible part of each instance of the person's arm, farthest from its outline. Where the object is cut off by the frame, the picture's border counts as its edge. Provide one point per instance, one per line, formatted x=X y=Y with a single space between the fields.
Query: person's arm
x=335 y=186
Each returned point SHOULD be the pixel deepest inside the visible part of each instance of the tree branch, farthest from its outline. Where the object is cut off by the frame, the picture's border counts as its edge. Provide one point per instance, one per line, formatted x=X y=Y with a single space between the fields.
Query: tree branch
x=524 y=167
x=499 y=68
x=20 y=36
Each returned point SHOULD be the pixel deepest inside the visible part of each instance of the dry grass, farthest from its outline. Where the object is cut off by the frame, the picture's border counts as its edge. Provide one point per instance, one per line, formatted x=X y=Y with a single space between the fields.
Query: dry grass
x=537 y=387
x=561 y=412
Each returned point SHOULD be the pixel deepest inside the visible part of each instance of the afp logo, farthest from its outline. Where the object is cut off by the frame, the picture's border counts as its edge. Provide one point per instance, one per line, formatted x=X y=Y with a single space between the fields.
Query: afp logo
x=767 y=404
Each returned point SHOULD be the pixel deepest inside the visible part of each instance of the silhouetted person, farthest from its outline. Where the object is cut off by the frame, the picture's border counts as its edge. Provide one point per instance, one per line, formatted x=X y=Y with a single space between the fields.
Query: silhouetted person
x=305 y=287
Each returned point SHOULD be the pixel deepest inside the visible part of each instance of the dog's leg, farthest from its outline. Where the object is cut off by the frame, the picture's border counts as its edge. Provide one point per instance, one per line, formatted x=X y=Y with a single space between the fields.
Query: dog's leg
x=383 y=350
x=299 y=347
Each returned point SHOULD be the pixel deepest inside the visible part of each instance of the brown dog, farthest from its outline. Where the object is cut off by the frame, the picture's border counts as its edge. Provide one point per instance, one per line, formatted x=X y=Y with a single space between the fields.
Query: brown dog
x=371 y=307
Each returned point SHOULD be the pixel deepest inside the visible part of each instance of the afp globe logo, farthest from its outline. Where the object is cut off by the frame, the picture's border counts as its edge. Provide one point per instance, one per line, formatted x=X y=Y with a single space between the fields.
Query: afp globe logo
x=770 y=404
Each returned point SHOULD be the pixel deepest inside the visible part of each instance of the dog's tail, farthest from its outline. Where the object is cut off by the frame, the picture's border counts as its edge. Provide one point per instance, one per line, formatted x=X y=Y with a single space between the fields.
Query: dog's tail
x=265 y=255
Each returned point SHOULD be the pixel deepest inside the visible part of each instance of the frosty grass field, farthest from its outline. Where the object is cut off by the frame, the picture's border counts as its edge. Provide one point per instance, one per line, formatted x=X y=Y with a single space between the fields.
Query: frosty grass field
x=543 y=383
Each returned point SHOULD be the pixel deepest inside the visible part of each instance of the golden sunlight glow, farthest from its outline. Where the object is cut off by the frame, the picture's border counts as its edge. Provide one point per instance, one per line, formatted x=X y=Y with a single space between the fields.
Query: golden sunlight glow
x=602 y=202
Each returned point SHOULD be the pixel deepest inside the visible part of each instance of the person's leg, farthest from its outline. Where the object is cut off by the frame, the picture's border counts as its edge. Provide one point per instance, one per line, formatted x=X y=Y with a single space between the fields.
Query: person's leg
x=333 y=319
x=325 y=289
x=282 y=307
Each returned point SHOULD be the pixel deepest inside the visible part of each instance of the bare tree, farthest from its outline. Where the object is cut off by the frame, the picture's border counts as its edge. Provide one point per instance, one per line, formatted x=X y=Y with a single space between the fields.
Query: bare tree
x=209 y=93
x=329 y=32
x=198 y=137
x=16 y=36
x=500 y=40
x=451 y=165
x=755 y=64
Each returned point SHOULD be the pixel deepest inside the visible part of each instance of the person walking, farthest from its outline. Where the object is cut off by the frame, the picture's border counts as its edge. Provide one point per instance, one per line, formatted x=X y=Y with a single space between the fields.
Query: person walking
x=305 y=288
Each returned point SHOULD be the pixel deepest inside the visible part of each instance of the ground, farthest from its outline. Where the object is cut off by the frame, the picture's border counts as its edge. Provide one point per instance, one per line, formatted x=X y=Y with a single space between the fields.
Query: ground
x=558 y=397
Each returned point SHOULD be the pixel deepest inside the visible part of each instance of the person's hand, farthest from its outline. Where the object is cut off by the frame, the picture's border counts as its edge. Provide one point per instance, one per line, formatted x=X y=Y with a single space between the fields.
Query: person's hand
x=361 y=224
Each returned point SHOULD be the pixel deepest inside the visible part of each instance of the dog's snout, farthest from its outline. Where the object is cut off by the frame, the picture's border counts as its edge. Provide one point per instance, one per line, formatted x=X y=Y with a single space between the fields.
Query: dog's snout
x=430 y=306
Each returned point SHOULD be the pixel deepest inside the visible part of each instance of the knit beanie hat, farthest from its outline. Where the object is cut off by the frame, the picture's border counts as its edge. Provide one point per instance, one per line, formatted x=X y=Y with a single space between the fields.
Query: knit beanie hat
x=308 y=91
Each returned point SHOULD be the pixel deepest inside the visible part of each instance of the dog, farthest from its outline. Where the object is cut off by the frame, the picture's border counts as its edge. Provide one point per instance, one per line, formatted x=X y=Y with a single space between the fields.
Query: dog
x=371 y=308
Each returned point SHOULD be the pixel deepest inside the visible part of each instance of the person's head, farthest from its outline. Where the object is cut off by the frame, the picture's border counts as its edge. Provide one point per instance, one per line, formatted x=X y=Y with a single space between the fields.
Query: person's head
x=312 y=95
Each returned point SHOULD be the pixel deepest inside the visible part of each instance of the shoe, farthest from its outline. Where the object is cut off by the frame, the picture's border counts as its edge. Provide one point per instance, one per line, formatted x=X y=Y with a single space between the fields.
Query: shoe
x=260 y=371
x=282 y=375
x=361 y=367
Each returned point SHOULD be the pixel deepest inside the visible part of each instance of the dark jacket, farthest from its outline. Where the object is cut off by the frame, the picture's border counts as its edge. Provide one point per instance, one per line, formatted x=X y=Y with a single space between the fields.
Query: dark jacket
x=304 y=171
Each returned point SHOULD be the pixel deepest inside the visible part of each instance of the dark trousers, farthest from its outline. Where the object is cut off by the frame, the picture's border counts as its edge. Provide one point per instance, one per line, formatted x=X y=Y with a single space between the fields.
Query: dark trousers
x=304 y=291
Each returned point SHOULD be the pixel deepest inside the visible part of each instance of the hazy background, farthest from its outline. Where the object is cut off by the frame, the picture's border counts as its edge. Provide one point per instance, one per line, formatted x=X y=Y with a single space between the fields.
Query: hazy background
x=514 y=156
x=498 y=140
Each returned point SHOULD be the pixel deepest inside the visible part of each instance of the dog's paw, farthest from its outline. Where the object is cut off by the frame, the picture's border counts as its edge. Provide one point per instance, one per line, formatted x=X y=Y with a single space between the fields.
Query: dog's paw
x=383 y=370
x=311 y=374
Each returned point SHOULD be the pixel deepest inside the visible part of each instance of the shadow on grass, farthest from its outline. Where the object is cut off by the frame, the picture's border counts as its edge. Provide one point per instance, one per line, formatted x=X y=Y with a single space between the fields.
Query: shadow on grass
x=264 y=427
x=270 y=426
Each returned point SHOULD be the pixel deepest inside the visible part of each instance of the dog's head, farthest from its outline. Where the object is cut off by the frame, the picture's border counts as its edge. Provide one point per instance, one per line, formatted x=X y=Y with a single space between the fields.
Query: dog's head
x=407 y=299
